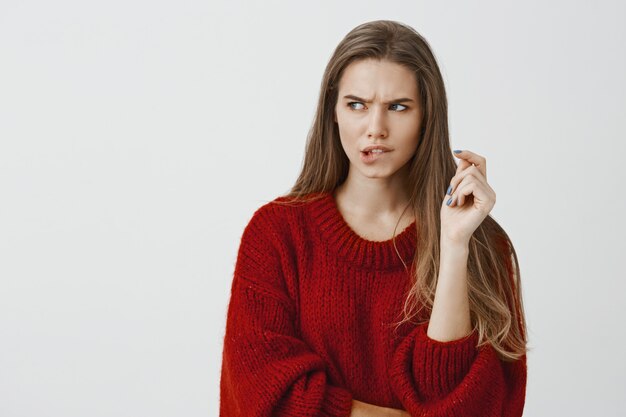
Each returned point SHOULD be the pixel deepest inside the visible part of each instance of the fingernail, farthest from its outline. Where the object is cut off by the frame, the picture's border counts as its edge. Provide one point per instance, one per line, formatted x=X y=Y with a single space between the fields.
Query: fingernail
x=457 y=151
x=449 y=201
x=449 y=189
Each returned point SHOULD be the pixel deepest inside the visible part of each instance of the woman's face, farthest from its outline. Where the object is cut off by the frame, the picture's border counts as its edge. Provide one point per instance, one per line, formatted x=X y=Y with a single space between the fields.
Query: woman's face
x=377 y=104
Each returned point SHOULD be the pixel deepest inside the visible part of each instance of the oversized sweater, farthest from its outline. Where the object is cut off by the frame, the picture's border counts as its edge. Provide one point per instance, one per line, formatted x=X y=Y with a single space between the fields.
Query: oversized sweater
x=310 y=326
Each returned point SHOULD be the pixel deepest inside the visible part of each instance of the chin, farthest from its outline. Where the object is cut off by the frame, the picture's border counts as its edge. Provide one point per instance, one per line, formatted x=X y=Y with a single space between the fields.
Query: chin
x=377 y=173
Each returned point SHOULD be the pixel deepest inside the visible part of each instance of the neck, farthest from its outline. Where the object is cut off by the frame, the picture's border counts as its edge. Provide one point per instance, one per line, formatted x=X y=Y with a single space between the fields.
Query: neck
x=374 y=198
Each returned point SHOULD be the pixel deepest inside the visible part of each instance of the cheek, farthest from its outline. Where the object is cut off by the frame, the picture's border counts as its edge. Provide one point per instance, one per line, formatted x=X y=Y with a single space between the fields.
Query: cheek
x=345 y=138
x=345 y=121
x=411 y=133
x=348 y=129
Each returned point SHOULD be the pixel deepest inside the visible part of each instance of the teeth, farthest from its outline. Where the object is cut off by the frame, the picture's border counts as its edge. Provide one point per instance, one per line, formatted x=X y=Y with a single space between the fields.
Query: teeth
x=377 y=150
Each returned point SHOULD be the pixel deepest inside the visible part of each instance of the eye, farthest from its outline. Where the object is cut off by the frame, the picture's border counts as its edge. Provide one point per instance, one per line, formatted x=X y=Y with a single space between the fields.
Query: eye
x=353 y=102
x=401 y=106
x=350 y=104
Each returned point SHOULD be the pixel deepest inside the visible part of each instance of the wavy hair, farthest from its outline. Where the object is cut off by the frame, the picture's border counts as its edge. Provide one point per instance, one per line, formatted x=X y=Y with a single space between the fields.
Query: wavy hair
x=495 y=294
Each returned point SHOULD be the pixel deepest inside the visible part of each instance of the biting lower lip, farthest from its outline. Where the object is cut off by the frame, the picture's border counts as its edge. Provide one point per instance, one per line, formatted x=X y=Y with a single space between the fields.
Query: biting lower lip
x=372 y=157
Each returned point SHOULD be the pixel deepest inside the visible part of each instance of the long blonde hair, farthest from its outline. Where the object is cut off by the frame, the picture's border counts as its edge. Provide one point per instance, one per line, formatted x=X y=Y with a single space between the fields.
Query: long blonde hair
x=495 y=294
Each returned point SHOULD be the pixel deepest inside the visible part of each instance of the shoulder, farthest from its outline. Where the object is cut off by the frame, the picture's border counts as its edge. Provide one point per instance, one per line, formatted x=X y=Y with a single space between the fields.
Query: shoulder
x=283 y=210
x=278 y=218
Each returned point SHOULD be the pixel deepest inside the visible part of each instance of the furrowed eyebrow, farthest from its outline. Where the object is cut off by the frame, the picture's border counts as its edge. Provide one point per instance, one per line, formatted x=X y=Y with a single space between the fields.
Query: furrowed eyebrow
x=398 y=100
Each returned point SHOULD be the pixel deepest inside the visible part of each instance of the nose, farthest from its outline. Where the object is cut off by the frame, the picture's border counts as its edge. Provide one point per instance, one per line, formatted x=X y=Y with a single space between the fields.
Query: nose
x=377 y=126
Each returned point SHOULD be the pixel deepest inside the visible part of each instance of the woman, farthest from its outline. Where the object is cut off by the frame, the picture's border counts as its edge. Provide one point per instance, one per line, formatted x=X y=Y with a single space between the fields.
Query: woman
x=381 y=225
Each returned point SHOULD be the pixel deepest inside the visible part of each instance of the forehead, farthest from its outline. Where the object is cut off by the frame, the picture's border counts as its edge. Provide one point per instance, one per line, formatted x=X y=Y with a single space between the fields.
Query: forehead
x=370 y=76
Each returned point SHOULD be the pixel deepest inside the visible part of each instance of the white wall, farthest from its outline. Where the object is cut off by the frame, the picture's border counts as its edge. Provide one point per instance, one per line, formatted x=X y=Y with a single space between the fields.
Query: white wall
x=138 y=137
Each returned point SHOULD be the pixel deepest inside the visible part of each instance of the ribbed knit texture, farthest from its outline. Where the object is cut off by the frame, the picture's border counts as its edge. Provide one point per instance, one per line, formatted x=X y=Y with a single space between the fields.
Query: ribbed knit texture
x=310 y=327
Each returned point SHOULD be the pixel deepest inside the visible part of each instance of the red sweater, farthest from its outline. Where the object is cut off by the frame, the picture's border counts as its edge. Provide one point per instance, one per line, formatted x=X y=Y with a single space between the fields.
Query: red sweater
x=309 y=328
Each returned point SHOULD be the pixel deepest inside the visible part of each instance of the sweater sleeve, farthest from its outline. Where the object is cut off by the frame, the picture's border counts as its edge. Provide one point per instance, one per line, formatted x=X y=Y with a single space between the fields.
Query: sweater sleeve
x=454 y=378
x=266 y=369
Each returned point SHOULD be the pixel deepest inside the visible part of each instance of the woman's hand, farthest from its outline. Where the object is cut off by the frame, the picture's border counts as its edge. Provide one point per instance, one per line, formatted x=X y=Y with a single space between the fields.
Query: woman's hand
x=472 y=199
x=361 y=409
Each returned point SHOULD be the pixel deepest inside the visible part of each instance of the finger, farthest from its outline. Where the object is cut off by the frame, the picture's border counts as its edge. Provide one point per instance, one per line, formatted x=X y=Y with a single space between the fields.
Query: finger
x=449 y=200
x=470 y=170
x=455 y=179
x=471 y=185
x=463 y=163
x=473 y=158
x=465 y=188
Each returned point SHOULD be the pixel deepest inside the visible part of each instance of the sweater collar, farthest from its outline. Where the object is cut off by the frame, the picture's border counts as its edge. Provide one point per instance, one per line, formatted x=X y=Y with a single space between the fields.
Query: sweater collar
x=337 y=234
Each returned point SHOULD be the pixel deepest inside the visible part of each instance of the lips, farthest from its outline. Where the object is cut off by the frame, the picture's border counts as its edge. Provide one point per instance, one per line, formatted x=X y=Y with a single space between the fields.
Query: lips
x=371 y=156
x=371 y=147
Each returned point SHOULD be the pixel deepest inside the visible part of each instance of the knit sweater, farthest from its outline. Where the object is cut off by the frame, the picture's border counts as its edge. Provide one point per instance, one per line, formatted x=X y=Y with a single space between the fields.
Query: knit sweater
x=310 y=326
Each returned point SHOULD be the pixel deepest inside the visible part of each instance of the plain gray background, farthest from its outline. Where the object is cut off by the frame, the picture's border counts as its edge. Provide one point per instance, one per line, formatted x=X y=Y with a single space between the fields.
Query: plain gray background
x=138 y=137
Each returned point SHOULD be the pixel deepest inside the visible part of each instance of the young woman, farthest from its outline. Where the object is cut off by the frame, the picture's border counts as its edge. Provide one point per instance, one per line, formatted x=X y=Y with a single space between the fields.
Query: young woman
x=379 y=285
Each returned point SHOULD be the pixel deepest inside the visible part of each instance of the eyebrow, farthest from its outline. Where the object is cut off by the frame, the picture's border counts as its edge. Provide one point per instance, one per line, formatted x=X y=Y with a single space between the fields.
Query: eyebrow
x=398 y=100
